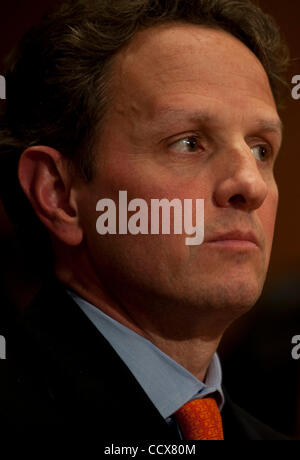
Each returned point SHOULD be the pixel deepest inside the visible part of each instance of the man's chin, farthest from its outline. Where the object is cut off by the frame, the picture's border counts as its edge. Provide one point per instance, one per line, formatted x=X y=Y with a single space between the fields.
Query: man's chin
x=230 y=297
x=231 y=300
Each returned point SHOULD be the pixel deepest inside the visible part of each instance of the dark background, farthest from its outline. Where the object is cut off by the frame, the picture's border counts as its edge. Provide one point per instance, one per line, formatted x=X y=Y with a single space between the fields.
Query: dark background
x=256 y=351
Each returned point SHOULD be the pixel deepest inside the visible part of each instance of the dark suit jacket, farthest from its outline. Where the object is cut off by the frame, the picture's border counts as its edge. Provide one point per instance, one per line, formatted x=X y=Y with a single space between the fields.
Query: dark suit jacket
x=61 y=373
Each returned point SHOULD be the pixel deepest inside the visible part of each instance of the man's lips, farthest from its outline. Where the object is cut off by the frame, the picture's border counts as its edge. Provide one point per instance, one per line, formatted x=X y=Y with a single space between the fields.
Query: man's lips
x=236 y=236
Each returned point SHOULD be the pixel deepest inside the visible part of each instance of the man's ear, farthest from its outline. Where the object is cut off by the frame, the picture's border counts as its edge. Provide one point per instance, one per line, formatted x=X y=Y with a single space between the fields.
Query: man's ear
x=46 y=180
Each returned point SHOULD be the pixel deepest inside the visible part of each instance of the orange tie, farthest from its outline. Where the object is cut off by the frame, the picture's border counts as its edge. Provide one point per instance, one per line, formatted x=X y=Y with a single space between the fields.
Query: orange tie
x=200 y=420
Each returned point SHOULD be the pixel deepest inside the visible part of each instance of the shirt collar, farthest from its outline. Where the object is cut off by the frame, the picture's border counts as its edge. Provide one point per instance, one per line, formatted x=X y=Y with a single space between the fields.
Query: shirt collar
x=168 y=384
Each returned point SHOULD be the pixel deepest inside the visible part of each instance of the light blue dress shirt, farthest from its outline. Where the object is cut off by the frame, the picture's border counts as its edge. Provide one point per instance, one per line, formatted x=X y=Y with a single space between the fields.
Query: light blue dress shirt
x=168 y=384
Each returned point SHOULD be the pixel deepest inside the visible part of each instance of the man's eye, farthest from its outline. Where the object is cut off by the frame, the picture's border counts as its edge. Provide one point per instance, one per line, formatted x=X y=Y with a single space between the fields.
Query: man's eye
x=188 y=144
x=261 y=152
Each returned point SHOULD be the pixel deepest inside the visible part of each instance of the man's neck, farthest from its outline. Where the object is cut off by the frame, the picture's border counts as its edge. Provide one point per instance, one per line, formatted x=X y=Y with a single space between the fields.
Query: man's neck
x=185 y=340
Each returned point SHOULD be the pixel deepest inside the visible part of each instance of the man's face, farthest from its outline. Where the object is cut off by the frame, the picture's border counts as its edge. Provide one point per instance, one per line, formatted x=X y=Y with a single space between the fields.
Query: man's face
x=192 y=116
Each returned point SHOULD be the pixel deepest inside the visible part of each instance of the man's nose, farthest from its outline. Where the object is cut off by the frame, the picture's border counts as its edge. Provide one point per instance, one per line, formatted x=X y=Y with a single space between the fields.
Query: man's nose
x=241 y=184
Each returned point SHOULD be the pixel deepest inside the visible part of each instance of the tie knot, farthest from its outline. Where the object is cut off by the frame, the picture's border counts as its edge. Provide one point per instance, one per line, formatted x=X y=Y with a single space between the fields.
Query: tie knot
x=200 y=419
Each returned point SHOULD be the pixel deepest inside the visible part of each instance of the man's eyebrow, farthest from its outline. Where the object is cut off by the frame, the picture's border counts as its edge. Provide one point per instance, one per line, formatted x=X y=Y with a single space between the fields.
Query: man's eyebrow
x=270 y=126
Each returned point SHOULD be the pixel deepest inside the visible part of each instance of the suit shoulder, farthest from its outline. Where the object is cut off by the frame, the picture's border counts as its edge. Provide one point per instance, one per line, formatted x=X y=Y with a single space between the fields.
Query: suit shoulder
x=237 y=420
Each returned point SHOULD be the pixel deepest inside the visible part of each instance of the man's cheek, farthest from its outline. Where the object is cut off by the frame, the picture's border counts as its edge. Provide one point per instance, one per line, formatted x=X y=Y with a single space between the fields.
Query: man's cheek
x=267 y=215
x=272 y=207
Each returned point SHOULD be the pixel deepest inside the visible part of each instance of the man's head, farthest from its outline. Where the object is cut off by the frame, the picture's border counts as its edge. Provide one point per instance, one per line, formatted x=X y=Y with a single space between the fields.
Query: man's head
x=183 y=107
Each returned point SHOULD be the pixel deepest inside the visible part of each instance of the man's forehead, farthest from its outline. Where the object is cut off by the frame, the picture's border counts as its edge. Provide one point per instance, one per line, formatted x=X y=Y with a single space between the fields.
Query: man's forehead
x=157 y=60
x=177 y=43
x=181 y=34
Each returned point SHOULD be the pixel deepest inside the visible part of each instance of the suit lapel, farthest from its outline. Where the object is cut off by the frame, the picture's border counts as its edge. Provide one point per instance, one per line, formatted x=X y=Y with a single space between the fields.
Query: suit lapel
x=87 y=382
